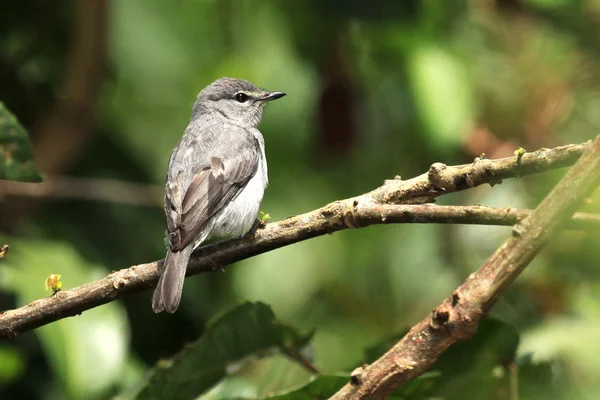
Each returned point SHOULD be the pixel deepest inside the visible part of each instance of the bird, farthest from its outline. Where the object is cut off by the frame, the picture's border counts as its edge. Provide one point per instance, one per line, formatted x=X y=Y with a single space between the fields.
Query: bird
x=216 y=178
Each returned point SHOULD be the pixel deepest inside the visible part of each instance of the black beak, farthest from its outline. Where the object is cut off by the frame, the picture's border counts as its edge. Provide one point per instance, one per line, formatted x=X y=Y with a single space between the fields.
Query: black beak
x=273 y=96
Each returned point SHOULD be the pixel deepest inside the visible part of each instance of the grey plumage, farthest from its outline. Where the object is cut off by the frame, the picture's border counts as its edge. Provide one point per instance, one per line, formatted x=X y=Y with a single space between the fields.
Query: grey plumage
x=216 y=180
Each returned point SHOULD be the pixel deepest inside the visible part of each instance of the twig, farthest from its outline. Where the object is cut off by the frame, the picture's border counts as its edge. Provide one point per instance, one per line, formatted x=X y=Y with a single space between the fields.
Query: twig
x=355 y=212
x=299 y=358
x=87 y=189
x=458 y=316
x=371 y=214
x=418 y=190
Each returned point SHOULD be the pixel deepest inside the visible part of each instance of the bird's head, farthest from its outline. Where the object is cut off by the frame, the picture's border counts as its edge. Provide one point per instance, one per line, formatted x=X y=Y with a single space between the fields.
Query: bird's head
x=236 y=99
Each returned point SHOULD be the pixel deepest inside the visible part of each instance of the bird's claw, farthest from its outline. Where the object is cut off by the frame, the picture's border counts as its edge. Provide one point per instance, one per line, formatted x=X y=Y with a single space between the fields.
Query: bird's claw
x=258 y=224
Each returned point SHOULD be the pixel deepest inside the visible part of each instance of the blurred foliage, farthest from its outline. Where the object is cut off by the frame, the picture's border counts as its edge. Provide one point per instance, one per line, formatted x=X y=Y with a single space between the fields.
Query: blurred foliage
x=247 y=331
x=486 y=366
x=16 y=155
x=375 y=90
x=325 y=386
x=320 y=387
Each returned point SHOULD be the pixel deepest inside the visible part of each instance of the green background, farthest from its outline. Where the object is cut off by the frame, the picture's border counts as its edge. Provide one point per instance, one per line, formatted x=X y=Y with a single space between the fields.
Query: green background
x=375 y=90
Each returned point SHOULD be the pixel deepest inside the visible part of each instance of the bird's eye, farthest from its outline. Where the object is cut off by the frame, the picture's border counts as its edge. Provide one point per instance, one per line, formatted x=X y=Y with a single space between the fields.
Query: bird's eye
x=241 y=97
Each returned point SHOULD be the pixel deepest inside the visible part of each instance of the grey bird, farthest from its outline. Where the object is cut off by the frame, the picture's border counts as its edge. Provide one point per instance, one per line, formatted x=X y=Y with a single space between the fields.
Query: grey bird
x=216 y=179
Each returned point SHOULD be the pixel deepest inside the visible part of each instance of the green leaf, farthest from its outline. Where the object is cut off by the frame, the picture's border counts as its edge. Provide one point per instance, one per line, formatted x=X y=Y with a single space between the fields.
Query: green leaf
x=536 y=379
x=421 y=388
x=477 y=366
x=16 y=154
x=320 y=387
x=494 y=343
x=232 y=387
x=325 y=386
x=249 y=330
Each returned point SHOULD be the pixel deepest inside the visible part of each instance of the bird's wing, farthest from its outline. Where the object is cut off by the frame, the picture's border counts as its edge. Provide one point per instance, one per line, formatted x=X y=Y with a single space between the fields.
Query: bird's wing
x=216 y=183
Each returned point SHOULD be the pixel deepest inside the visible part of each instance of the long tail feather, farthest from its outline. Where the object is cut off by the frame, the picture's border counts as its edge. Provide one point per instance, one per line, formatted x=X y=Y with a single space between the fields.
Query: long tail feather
x=170 y=286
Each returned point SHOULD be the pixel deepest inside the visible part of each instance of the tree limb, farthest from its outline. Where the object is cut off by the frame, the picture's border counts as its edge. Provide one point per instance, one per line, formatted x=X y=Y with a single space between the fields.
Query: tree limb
x=458 y=316
x=376 y=207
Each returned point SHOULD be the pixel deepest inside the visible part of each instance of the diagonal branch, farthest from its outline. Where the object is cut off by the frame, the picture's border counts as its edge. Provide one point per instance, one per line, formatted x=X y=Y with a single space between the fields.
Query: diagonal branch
x=376 y=207
x=458 y=316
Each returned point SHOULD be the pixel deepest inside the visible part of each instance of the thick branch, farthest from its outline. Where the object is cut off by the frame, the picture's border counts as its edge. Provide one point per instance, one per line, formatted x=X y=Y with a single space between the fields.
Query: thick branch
x=458 y=316
x=355 y=212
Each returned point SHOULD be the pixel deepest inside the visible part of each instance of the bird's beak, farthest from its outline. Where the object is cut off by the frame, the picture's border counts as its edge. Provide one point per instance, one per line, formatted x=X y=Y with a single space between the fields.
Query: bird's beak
x=273 y=96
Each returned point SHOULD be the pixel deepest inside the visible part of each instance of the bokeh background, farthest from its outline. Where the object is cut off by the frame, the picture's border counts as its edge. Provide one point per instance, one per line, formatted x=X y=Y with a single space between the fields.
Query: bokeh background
x=375 y=90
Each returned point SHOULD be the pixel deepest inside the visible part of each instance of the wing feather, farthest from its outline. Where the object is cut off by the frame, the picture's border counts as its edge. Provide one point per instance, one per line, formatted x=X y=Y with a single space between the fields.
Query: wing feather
x=215 y=185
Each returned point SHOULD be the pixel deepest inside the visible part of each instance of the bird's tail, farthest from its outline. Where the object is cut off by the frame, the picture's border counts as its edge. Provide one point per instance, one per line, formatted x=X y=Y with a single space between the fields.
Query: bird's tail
x=170 y=286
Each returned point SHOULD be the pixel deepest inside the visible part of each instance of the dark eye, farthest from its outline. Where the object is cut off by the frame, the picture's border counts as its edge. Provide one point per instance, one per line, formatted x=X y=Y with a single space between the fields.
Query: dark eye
x=241 y=97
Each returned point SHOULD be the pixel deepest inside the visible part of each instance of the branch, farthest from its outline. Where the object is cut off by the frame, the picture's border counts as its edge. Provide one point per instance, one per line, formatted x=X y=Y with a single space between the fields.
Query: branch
x=93 y=189
x=442 y=179
x=376 y=207
x=371 y=214
x=458 y=316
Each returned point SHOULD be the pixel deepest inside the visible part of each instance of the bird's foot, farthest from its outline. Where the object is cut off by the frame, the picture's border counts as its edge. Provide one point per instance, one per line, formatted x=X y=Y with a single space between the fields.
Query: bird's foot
x=255 y=226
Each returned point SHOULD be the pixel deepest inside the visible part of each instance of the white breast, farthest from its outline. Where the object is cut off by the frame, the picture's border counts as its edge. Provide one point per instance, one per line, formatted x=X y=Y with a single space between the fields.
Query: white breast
x=236 y=218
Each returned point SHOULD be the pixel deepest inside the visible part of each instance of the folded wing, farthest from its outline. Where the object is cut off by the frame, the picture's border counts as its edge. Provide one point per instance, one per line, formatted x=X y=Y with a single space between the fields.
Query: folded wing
x=214 y=186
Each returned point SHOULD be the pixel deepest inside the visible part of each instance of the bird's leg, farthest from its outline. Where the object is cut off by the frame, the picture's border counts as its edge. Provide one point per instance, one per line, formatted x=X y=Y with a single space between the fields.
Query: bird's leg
x=252 y=232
